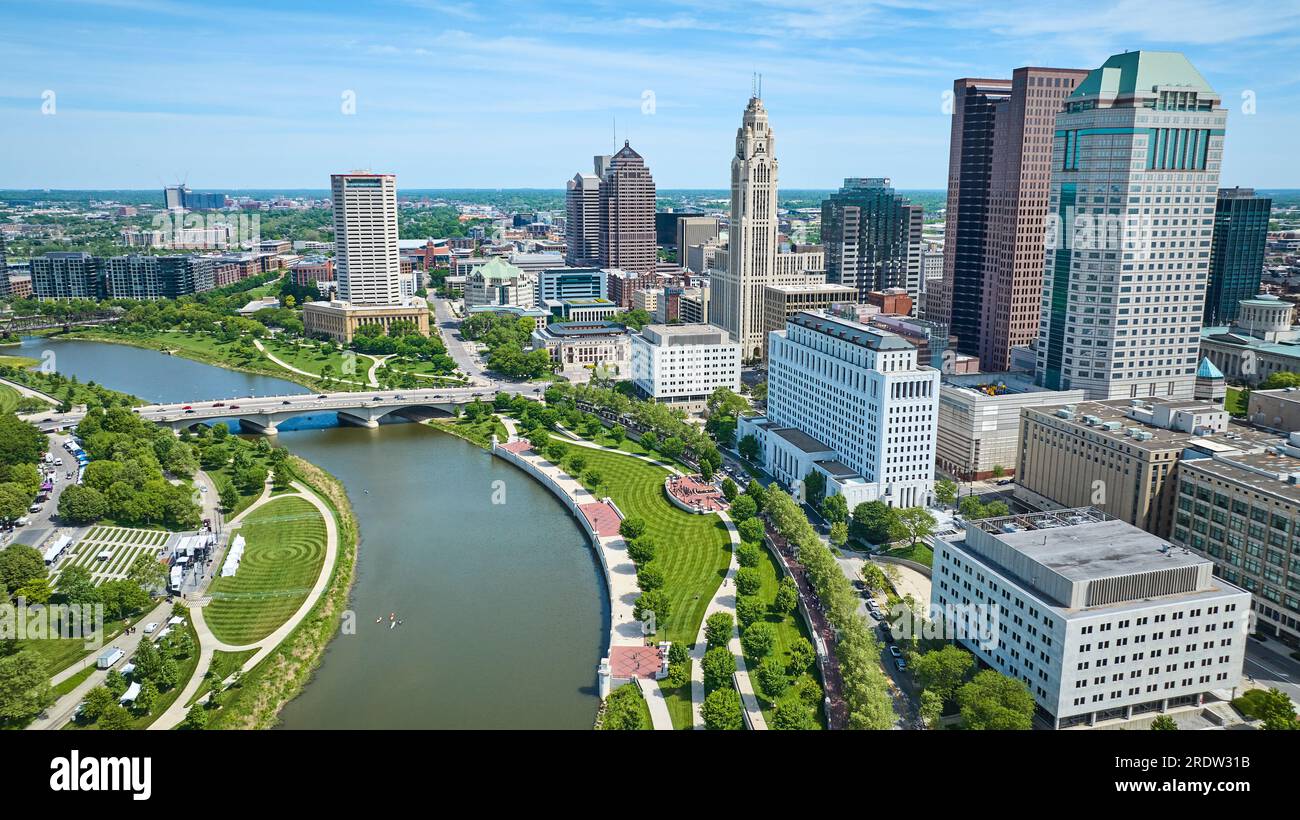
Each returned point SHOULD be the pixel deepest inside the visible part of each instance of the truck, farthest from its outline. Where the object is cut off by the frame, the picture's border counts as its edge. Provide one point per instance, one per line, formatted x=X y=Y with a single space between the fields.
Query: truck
x=109 y=657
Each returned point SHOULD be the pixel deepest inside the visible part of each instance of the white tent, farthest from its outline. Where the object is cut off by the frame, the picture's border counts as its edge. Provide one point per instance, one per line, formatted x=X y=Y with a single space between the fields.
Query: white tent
x=130 y=694
x=233 y=556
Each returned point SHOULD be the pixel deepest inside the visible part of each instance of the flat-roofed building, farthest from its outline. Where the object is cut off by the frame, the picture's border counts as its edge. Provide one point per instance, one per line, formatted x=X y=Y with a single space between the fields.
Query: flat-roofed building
x=586 y=345
x=339 y=320
x=1275 y=409
x=1100 y=619
x=1242 y=511
x=979 y=421
x=498 y=283
x=684 y=364
x=580 y=310
x=1120 y=455
x=780 y=302
x=570 y=283
x=66 y=275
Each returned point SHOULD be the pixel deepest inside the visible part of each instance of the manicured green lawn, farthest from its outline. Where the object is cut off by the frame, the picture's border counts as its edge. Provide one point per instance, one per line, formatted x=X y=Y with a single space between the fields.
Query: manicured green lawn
x=1235 y=401
x=479 y=433
x=679 y=705
x=694 y=550
x=73 y=682
x=224 y=664
x=60 y=653
x=8 y=399
x=310 y=358
x=282 y=560
x=920 y=553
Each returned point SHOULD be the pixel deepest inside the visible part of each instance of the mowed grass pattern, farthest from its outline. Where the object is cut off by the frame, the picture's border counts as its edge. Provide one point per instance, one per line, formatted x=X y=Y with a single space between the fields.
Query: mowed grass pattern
x=282 y=559
x=694 y=550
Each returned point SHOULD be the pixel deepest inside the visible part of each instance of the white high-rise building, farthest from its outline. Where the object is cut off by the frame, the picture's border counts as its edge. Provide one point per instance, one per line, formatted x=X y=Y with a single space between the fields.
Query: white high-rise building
x=366 y=258
x=850 y=402
x=737 y=292
x=1135 y=175
x=684 y=364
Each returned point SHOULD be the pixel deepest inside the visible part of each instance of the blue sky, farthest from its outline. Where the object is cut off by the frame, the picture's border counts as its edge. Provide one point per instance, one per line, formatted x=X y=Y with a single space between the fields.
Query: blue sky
x=521 y=94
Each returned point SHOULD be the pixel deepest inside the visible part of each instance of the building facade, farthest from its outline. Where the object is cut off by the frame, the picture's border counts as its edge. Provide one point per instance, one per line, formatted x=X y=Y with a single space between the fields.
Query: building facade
x=366 y=255
x=571 y=283
x=1101 y=620
x=684 y=364
x=499 y=284
x=1237 y=253
x=780 y=302
x=1261 y=341
x=1135 y=172
x=627 y=214
x=66 y=275
x=156 y=277
x=694 y=230
x=872 y=238
x=582 y=220
x=737 y=291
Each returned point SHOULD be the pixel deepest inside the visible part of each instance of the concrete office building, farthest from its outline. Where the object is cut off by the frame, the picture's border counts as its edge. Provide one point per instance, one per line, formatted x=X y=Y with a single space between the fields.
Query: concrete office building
x=684 y=364
x=5 y=291
x=695 y=305
x=582 y=220
x=366 y=257
x=498 y=283
x=979 y=421
x=535 y=263
x=340 y=321
x=570 y=283
x=780 y=302
x=627 y=214
x=872 y=238
x=1120 y=455
x=1275 y=409
x=66 y=275
x=851 y=402
x=1261 y=341
x=694 y=230
x=666 y=226
x=1242 y=511
x=1101 y=620
x=737 y=290
x=580 y=310
x=586 y=345
x=1237 y=253
x=1135 y=172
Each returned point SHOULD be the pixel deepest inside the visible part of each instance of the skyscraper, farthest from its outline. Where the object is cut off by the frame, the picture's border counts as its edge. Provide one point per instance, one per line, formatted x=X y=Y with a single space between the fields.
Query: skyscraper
x=582 y=220
x=1011 y=294
x=872 y=238
x=4 y=269
x=627 y=214
x=365 y=238
x=1237 y=252
x=970 y=169
x=737 y=292
x=1135 y=171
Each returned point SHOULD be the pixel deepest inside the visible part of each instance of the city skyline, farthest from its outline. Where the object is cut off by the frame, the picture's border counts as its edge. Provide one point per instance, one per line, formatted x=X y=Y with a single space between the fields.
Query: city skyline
x=444 y=94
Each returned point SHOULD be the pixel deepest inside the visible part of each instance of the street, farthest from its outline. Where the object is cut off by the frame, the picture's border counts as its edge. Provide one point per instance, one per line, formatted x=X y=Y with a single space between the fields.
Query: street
x=41 y=527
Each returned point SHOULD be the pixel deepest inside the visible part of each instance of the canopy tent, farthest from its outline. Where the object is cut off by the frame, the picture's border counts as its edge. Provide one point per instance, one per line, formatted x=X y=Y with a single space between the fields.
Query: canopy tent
x=233 y=556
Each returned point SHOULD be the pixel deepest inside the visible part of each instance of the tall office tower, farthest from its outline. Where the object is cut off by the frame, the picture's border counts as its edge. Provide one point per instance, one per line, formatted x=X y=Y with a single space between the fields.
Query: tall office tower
x=1011 y=296
x=1237 y=252
x=872 y=238
x=582 y=221
x=627 y=214
x=600 y=162
x=366 y=259
x=694 y=230
x=970 y=168
x=737 y=292
x=1135 y=170
x=174 y=196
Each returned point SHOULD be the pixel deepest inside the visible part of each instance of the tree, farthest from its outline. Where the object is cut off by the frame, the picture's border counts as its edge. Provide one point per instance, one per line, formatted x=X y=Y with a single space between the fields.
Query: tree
x=787 y=596
x=772 y=680
x=77 y=587
x=577 y=463
x=1275 y=709
x=35 y=591
x=748 y=581
x=115 y=683
x=81 y=505
x=751 y=531
x=802 y=656
x=718 y=667
x=20 y=442
x=24 y=685
x=1281 y=380
x=791 y=714
x=196 y=718
x=931 y=708
x=944 y=670
x=999 y=471
x=653 y=601
x=748 y=447
x=642 y=550
x=835 y=509
x=717 y=629
x=916 y=523
x=1164 y=723
x=876 y=522
x=743 y=507
x=650 y=577
x=749 y=554
x=20 y=564
x=814 y=488
x=115 y=718
x=624 y=710
x=945 y=491
x=148 y=572
x=721 y=710
x=749 y=609
x=873 y=576
x=755 y=491
x=996 y=702
x=632 y=527
x=839 y=534
x=14 y=500
x=672 y=448
x=147 y=698
x=759 y=639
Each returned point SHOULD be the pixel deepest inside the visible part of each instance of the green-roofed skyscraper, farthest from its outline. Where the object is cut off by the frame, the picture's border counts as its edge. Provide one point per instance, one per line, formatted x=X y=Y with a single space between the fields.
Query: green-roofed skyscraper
x=1135 y=173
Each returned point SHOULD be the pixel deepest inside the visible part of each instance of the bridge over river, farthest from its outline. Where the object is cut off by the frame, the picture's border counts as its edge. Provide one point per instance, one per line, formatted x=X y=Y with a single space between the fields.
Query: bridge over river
x=264 y=413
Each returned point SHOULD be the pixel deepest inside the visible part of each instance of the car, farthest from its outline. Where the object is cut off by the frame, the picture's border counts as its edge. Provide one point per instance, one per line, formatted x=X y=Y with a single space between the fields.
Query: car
x=188 y=407
x=895 y=651
x=219 y=404
x=375 y=398
x=58 y=462
x=877 y=614
x=234 y=407
x=21 y=522
x=322 y=396
x=150 y=627
x=286 y=401
x=189 y=412
x=203 y=488
x=1004 y=482
x=886 y=633
x=899 y=663
x=33 y=509
x=871 y=603
x=399 y=396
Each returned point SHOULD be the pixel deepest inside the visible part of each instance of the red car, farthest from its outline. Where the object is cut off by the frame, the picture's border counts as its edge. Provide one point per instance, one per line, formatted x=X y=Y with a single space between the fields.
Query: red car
x=187 y=407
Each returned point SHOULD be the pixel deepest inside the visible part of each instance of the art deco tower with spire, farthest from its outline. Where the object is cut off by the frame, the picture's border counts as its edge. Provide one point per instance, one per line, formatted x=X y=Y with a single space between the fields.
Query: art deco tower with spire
x=737 y=298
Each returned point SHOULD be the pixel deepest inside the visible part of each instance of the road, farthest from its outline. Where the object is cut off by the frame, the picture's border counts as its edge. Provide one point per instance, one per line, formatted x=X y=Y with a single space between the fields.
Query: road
x=41 y=526
x=1266 y=664
x=464 y=352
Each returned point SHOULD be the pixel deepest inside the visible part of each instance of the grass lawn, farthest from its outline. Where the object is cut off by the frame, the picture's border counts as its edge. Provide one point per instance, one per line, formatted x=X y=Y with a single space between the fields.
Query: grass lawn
x=919 y=552
x=282 y=560
x=1235 y=401
x=8 y=399
x=479 y=432
x=310 y=358
x=23 y=362
x=224 y=664
x=60 y=653
x=679 y=705
x=73 y=682
x=694 y=550
x=788 y=629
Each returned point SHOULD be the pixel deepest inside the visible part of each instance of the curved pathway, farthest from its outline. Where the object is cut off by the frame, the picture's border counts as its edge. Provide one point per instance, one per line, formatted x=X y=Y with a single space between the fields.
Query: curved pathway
x=282 y=363
x=209 y=643
x=27 y=392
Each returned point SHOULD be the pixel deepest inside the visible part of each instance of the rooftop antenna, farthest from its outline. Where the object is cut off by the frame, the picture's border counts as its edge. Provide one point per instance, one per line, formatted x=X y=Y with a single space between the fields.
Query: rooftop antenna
x=753 y=84
x=760 y=86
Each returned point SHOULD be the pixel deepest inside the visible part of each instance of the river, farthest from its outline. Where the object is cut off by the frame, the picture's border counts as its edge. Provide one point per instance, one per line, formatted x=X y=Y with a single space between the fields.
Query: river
x=504 y=614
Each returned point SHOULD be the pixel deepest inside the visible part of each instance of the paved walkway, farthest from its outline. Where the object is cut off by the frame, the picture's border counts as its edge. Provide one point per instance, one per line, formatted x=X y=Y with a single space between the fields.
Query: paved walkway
x=377 y=362
x=209 y=643
x=24 y=390
x=660 y=719
x=65 y=707
x=282 y=363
